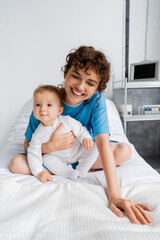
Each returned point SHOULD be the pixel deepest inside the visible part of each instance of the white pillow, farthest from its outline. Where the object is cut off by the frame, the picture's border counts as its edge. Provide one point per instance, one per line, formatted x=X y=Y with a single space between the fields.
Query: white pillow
x=21 y=123
x=115 y=124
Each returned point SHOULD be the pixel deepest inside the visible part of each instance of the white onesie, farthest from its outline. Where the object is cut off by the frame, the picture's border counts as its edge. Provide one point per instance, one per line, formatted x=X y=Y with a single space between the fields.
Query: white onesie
x=59 y=162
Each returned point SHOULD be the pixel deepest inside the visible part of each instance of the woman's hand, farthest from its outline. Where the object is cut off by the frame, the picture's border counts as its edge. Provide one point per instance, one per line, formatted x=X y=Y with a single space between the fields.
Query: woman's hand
x=134 y=211
x=58 y=141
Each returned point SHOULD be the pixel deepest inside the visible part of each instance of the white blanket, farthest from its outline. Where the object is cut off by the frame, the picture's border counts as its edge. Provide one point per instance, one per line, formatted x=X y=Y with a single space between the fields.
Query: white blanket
x=72 y=211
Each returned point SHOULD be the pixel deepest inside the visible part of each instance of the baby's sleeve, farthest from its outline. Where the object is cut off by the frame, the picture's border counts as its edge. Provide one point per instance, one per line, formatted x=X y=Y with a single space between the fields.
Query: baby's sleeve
x=79 y=131
x=34 y=153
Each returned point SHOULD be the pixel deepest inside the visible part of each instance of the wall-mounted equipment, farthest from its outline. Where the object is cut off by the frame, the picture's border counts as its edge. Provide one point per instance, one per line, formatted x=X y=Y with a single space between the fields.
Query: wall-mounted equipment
x=145 y=71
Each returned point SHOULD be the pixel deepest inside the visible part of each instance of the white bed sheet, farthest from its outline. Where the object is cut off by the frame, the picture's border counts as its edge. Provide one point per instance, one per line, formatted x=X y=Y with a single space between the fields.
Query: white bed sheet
x=72 y=211
x=136 y=170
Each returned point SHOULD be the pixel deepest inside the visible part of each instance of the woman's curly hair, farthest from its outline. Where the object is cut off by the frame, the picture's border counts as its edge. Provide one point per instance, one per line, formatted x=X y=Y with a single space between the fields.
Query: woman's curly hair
x=88 y=58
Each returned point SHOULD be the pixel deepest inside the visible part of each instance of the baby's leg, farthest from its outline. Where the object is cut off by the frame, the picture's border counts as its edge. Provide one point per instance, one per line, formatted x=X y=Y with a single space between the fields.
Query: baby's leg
x=86 y=161
x=58 y=167
x=19 y=165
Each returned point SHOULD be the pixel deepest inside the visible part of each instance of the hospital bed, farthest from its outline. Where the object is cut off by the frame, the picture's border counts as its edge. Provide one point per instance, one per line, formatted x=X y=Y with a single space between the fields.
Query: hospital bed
x=73 y=210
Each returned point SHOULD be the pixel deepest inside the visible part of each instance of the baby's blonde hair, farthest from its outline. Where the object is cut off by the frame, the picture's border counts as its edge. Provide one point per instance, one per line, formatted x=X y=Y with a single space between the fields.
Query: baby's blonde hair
x=51 y=89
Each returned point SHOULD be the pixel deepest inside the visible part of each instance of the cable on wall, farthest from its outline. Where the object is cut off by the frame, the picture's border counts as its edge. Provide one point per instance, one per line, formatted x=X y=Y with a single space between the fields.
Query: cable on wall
x=127 y=37
x=146 y=31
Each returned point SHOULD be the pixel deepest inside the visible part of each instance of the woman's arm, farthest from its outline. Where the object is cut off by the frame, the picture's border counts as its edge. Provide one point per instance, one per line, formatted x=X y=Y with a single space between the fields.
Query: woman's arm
x=107 y=158
x=134 y=211
x=26 y=144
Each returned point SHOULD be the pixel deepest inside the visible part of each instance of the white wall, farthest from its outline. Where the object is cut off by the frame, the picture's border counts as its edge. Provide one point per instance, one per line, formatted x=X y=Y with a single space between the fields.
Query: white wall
x=36 y=35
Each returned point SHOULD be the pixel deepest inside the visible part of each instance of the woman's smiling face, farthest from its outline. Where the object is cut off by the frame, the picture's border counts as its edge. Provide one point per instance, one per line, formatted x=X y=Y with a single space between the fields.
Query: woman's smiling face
x=80 y=85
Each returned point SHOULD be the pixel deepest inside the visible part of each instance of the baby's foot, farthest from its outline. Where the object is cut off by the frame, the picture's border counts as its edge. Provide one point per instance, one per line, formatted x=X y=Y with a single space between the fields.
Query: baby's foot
x=82 y=173
x=72 y=174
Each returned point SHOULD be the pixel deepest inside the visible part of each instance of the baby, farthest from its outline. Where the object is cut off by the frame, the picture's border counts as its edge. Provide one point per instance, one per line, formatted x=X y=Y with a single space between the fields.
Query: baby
x=47 y=107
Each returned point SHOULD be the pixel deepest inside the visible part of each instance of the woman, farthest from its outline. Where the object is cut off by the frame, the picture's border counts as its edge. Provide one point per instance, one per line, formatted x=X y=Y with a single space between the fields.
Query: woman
x=86 y=74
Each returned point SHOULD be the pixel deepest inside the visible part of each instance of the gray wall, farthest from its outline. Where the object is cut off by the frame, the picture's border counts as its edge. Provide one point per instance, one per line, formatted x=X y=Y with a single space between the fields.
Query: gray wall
x=144 y=36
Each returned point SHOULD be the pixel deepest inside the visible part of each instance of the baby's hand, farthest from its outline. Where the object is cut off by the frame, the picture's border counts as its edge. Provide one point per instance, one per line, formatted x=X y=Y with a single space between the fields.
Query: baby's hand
x=88 y=143
x=44 y=176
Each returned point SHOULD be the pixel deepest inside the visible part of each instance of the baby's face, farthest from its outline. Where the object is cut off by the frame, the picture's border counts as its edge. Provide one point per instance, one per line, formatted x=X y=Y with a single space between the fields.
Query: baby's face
x=46 y=107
